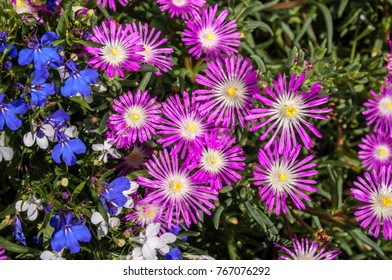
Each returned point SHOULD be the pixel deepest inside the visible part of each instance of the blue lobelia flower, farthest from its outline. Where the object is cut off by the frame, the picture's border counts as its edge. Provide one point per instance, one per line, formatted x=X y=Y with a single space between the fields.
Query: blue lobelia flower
x=12 y=52
x=112 y=195
x=41 y=52
x=40 y=90
x=78 y=81
x=18 y=231
x=52 y=5
x=66 y=149
x=68 y=233
x=174 y=254
x=8 y=113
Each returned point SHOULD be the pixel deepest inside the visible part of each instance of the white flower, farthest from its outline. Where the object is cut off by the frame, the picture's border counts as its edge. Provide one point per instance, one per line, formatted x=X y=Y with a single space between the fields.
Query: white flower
x=48 y=255
x=106 y=149
x=103 y=226
x=99 y=87
x=131 y=190
x=5 y=152
x=197 y=257
x=31 y=205
x=151 y=243
x=40 y=135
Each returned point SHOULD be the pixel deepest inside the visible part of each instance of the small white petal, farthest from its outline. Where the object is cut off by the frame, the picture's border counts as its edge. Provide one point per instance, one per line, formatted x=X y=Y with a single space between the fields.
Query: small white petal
x=48 y=130
x=113 y=152
x=164 y=250
x=47 y=255
x=137 y=254
x=71 y=131
x=42 y=142
x=168 y=237
x=32 y=212
x=2 y=139
x=89 y=99
x=21 y=206
x=98 y=147
x=152 y=229
x=103 y=229
x=129 y=204
x=104 y=157
x=96 y=218
x=114 y=222
x=7 y=152
x=149 y=253
x=29 y=139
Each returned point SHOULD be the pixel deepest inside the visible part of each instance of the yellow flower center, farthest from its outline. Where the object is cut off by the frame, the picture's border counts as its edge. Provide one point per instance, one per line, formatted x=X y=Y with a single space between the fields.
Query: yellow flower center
x=135 y=117
x=210 y=36
x=176 y=187
x=231 y=91
x=291 y=111
x=387 y=201
x=213 y=160
x=383 y=152
x=283 y=177
x=146 y=49
x=192 y=127
x=389 y=105
x=148 y=213
x=114 y=51
x=19 y=3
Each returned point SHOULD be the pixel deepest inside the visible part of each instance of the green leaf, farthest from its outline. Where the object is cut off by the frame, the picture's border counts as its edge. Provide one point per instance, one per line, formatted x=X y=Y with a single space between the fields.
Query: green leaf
x=134 y=175
x=329 y=23
x=260 y=217
x=217 y=216
x=251 y=25
x=77 y=191
x=360 y=236
x=14 y=248
x=259 y=62
x=80 y=100
x=145 y=80
x=87 y=43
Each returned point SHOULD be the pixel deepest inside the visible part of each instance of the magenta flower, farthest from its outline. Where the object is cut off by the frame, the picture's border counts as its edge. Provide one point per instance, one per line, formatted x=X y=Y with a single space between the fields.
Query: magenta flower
x=136 y=119
x=184 y=8
x=153 y=54
x=287 y=108
x=305 y=251
x=375 y=194
x=282 y=175
x=380 y=110
x=376 y=151
x=230 y=83
x=120 y=49
x=215 y=37
x=112 y=3
x=183 y=125
x=135 y=160
x=3 y=256
x=174 y=191
x=219 y=161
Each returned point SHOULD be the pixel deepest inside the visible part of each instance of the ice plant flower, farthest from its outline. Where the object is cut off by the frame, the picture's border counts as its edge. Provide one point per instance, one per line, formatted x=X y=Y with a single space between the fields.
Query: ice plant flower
x=66 y=149
x=79 y=81
x=153 y=54
x=103 y=226
x=174 y=191
x=120 y=49
x=31 y=205
x=112 y=3
x=375 y=195
x=68 y=233
x=287 y=109
x=134 y=160
x=3 y=256
x=220 y=161
x=41 y=134
x=23 y=6
x=375 y=151
x=183 y=126
x=212 y=36
x=105 y=149
x=305 y=251
x=151 y=244
x=185 y=8
x=12 y=52
x=379 y=112
x=6 y=153
x=143 y=215
x=230 y=85
x=283 y=175
x=18 y=231
x=136 y=120
x=40 y=90
x=8 y=113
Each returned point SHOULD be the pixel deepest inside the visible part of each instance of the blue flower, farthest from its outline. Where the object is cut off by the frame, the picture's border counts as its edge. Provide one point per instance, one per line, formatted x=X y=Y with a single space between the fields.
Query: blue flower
x=52 y=5
x=112 y=195
x=18 y=231
x=59 y=118
x=8 y=113
x=174 y=254
x=66 y=149
x=68 y=233
x=40 y=90
x=40 y=52
x=12 y=52
x=78 y=81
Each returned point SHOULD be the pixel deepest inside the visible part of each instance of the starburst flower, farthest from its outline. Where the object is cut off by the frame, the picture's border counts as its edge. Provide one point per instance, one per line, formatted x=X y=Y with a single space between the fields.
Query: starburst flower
x=153 y=54
x=219 y=161
x=134 y=160
x=288 y=109
x=183 y=126
x=174 y=191
x=214 y=37
x=184 y=8
x=375 y=194
x=379 y=113
x=112 y=3
x=136 y=119
x=120 y=49
x=376 y=151
x=230 y=83
x=283 y=175
x=305 y=251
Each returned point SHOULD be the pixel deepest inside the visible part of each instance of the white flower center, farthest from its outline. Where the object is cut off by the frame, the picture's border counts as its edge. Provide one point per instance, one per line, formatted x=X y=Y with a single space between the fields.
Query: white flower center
x=280 y=178
x=208 y=38
x=385 y=106
x=382 y=202
x=191 y=128
x=135 y=116
x=382 y=152
x=147 y=53
x=114 y=53
x=179 y=3
x=21 y=7
x=289 y=109
x=177 y=186
x=146 y=216
x=232 y=93
x=213 y=161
